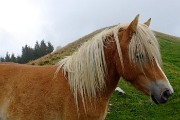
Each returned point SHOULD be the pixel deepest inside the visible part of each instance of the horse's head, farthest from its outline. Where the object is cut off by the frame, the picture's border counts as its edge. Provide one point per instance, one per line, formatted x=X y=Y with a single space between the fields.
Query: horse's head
x=141 y=61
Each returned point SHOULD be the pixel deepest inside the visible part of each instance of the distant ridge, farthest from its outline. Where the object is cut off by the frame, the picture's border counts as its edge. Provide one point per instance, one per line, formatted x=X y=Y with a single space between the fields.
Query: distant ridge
x=167 y=37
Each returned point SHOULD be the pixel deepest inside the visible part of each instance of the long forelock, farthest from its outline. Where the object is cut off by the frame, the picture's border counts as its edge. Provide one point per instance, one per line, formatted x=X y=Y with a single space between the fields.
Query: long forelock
x=145 y=43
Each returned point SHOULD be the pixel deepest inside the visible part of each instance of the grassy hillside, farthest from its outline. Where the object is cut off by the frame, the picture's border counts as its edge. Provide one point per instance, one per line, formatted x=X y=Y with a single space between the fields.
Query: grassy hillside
x=134 y=105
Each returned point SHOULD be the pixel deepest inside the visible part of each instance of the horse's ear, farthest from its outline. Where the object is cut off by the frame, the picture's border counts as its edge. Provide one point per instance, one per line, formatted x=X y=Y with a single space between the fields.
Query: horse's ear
x=148 y=22
x=133 y=25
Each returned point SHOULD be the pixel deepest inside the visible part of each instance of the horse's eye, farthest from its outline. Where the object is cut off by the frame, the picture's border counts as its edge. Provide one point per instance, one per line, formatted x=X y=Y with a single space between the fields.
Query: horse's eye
x=139 y=56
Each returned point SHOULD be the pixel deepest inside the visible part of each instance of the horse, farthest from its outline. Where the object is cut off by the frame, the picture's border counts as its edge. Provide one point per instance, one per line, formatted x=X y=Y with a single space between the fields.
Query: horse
x=80 y=85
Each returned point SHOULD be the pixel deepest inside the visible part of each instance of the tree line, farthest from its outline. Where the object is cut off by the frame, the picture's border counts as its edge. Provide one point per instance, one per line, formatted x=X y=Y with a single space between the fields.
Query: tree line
x=28 y=53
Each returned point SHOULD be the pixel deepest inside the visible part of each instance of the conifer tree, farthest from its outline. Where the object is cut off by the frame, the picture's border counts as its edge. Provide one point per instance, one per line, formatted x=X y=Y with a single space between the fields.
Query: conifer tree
x=13 y=58
x=37 y=52
x=2 y=59
x=7 y=57
x=50 y=48
x=43 y=48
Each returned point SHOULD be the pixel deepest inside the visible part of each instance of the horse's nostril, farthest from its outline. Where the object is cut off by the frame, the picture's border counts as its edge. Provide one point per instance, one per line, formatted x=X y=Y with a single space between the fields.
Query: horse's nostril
x=166 y=94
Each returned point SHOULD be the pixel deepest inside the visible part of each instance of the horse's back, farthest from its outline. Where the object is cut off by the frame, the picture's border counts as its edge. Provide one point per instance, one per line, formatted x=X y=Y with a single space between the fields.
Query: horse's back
x=34 y=93
x=30 y=92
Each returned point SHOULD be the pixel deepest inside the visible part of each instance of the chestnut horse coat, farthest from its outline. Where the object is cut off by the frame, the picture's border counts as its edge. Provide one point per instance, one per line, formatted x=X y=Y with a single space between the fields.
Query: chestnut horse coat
x=32 y=93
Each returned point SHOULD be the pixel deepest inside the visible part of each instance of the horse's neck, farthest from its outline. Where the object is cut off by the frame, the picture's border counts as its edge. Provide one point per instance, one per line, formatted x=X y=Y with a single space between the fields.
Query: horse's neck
x=112 y=76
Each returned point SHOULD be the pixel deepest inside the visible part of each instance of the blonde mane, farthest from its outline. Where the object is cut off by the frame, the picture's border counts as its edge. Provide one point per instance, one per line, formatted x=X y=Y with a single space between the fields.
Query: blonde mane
x=86 y=68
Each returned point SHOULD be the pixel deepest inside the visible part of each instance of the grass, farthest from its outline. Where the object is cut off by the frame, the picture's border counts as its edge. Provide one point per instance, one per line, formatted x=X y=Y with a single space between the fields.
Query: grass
x=134 y=105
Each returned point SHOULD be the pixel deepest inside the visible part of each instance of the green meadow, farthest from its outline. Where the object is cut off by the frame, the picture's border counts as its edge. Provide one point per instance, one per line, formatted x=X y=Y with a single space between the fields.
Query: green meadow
x=134 y=105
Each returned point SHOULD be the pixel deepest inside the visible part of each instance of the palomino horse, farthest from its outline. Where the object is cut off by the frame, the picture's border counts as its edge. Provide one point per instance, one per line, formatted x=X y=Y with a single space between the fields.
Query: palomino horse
x=80 y=86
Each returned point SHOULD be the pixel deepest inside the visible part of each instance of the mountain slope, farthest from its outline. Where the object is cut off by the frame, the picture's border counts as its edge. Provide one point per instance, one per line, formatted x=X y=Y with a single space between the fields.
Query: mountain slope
x=54 y=57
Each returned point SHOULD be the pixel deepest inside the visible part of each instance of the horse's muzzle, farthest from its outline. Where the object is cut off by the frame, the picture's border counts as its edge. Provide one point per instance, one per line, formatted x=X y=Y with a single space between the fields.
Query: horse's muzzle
x=166 y=94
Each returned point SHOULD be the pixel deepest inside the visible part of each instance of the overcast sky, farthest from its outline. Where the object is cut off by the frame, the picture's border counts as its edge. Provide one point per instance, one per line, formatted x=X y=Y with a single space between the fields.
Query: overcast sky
x=63 y=21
